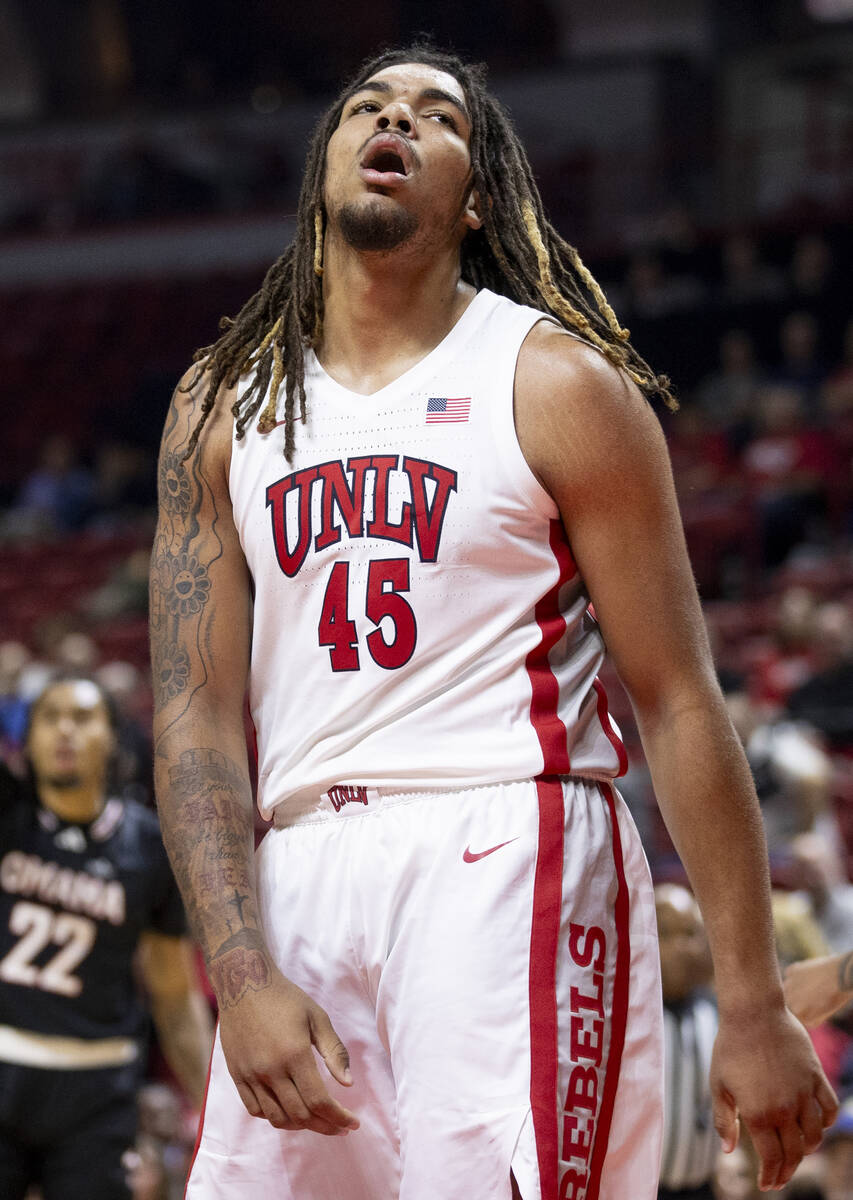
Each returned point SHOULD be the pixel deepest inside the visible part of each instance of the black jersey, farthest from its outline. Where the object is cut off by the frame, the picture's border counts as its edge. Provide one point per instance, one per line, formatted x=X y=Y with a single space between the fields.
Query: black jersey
x=74 y=900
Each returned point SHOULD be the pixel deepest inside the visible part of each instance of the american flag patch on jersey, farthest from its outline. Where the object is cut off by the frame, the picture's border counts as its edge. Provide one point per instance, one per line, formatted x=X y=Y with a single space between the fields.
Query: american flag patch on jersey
x=443 y=410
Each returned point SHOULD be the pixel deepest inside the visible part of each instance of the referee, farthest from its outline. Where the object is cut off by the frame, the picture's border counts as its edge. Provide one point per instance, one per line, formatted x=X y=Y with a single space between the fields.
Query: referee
x=690 y=1142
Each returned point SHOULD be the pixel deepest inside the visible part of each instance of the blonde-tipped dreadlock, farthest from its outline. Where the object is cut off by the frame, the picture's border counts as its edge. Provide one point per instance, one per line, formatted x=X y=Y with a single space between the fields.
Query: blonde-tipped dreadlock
x=318 y=242
x=516 y=253
x=559 y=305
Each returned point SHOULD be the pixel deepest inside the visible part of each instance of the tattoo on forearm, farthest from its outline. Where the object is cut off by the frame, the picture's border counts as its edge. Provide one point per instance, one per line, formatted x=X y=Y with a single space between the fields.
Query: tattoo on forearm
x=203 y=773
x=236 y=972
x=207 y=828
x=180 y=588
x=845 y=973
x=204 y=798
x=249 y=939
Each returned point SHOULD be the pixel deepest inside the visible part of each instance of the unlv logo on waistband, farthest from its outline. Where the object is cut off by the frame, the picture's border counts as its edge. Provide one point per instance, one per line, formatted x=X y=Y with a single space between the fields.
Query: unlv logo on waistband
x=344 y=793
x=421 y=516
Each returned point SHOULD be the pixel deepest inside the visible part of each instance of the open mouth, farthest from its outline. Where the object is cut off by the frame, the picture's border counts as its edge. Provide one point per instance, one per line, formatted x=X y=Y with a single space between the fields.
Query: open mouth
x=387 y=159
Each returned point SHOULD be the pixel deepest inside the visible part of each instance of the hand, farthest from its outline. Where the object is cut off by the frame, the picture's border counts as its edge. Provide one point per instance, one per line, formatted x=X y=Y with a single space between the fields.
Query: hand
x=813 y=989
x=267 y=1038
x=765 y=1072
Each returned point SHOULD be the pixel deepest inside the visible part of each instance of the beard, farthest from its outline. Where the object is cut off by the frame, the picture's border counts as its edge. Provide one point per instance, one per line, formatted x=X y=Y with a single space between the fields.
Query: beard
x=376 y=226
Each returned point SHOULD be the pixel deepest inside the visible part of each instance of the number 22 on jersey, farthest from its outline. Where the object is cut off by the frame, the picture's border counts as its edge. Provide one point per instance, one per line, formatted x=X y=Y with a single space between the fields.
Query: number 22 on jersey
x=39 y=927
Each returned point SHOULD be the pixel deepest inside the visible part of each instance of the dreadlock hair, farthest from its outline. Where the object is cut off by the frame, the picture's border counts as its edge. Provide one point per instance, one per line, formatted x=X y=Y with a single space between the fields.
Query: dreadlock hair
x=516 y=253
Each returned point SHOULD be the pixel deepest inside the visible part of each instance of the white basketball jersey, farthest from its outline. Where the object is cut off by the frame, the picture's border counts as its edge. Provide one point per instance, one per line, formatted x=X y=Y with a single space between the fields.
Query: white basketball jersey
x=419 y=620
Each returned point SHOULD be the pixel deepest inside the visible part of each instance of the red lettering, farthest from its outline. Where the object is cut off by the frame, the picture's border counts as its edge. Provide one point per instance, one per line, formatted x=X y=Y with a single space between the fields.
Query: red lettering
x=350 y=501
x=587 y=1043
x=593 y=1003
x=583 y=1090
x=577 y=1137
x=347 y=793
x=429 y=518
x=576 y=1180
x=582 y=954
x=291 y=560
x=380 y=526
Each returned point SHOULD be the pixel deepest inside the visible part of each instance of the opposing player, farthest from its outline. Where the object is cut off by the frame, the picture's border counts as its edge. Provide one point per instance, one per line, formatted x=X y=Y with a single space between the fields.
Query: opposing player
x=453 y=908
x=84 y=884
x=817 y=988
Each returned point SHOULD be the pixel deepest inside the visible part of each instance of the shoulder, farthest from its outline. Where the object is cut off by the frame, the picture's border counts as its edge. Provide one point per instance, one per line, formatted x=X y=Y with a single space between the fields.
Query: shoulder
x=193 y=408
x=577 y=415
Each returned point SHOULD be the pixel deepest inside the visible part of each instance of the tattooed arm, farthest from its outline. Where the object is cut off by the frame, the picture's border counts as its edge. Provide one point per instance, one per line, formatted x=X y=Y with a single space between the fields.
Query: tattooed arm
x=200 y=632
x=819 y=987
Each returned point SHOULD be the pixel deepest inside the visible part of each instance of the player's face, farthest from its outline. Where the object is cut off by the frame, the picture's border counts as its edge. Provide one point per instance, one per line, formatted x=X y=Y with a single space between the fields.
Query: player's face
x=684 y=954
x=71 y=739
x=398 y=164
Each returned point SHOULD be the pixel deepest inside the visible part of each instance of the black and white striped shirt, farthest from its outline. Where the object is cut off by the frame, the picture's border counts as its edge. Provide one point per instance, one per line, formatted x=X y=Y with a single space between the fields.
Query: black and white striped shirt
x=690 y=1142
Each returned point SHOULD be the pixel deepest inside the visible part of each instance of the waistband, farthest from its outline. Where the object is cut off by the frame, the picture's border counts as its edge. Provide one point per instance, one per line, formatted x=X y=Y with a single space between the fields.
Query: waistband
x=29 y=1049
x=352 y=800
x=349 y=800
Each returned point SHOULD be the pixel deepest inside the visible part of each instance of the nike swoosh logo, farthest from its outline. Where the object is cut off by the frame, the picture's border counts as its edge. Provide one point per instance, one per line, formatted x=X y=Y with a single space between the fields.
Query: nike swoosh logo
x=469 y=856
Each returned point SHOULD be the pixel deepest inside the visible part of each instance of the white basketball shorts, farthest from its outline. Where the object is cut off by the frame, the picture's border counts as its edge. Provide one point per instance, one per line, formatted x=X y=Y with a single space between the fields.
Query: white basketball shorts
x=489 y=958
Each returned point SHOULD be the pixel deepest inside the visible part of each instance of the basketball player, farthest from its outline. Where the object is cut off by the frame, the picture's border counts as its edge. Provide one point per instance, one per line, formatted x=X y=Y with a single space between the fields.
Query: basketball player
x=84 y=882
x=452 y=909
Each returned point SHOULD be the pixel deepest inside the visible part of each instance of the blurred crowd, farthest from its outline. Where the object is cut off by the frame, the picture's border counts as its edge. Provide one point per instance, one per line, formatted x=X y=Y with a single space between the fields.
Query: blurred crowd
x=757 y=333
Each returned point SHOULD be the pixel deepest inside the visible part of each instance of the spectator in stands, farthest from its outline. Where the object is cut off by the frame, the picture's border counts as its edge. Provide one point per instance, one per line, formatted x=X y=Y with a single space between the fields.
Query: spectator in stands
x=791 y=772
x=709 y=496
x=746 y=279
x=788 y=658
x=701 y=458
x=811 y=269
x=76 y=651
x=651 y=293
x=56 y=497
x=678 y=241
x=14 y=656
x=137 y=181
x=787 y=466
x=795 y=929
x=826 y=700
x=838 y=389
x=800 y=365
x=726 y=398
x=123 y=484
x=837 y=405
x=819 y=872
x=690 y=1143
x=125 y=592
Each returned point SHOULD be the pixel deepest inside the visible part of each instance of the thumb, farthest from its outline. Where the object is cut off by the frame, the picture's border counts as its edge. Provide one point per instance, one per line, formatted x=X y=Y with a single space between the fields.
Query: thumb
x=726 y=1121
x=332 y=1050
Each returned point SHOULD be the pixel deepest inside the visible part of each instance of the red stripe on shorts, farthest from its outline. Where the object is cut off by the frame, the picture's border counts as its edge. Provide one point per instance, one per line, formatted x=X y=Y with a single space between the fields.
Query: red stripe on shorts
x=545 y=691
x=200 y=1121
x=544 y=940
x=619 y=1007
